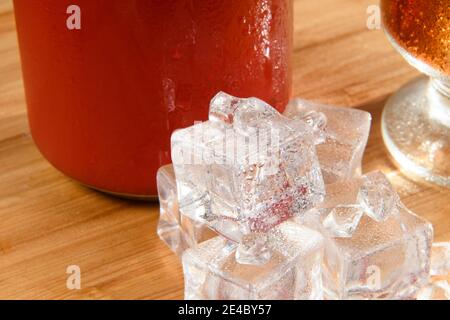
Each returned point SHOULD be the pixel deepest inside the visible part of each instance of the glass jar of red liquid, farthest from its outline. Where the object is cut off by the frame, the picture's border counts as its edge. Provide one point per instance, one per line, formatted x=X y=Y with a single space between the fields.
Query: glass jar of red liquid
x=104 y=96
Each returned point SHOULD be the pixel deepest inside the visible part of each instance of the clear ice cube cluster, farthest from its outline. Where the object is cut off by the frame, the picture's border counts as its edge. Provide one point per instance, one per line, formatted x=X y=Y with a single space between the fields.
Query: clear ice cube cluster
x=241 y=171
x=262 y=205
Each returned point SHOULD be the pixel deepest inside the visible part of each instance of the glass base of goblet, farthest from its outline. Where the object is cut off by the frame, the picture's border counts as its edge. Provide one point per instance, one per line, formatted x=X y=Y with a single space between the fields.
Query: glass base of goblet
x=416 y=129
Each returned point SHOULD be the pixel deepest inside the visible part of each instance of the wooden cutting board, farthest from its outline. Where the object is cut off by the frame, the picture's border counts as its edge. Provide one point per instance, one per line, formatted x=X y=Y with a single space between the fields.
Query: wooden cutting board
x=48 y=222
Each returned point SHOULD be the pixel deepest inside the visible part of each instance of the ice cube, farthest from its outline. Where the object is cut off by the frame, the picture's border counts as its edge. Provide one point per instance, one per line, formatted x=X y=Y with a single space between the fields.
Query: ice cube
x=440 y=259
x=343 y=220
x=389 y=259
x=292 y=272
x=189 y=157
x=227 y=109
x=253 y=249
x=342 y=192
x=177 y=231
x=377 y=196
x=376 y=258
x=318 y=122
x=347 y=200
x=436 y=290
x=259 y=168
x=345 y=135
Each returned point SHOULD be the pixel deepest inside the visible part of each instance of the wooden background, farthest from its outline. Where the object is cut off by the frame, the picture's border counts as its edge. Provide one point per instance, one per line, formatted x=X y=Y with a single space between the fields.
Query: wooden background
x=48 y=222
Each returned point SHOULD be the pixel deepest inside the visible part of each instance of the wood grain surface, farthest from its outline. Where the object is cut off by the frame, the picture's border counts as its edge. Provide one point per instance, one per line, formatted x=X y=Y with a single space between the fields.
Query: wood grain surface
x=48 y=222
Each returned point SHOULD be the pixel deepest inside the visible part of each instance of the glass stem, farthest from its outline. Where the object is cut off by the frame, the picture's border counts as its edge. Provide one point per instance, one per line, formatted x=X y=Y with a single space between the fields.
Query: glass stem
x=439 y=97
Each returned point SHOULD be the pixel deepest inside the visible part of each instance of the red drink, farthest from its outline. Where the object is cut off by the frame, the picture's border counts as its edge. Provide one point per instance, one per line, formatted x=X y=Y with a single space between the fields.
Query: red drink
x=103 y=100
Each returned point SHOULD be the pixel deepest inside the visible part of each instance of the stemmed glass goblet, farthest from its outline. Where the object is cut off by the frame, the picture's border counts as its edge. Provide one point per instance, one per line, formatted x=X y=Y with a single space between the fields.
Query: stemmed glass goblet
x=416 y=119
